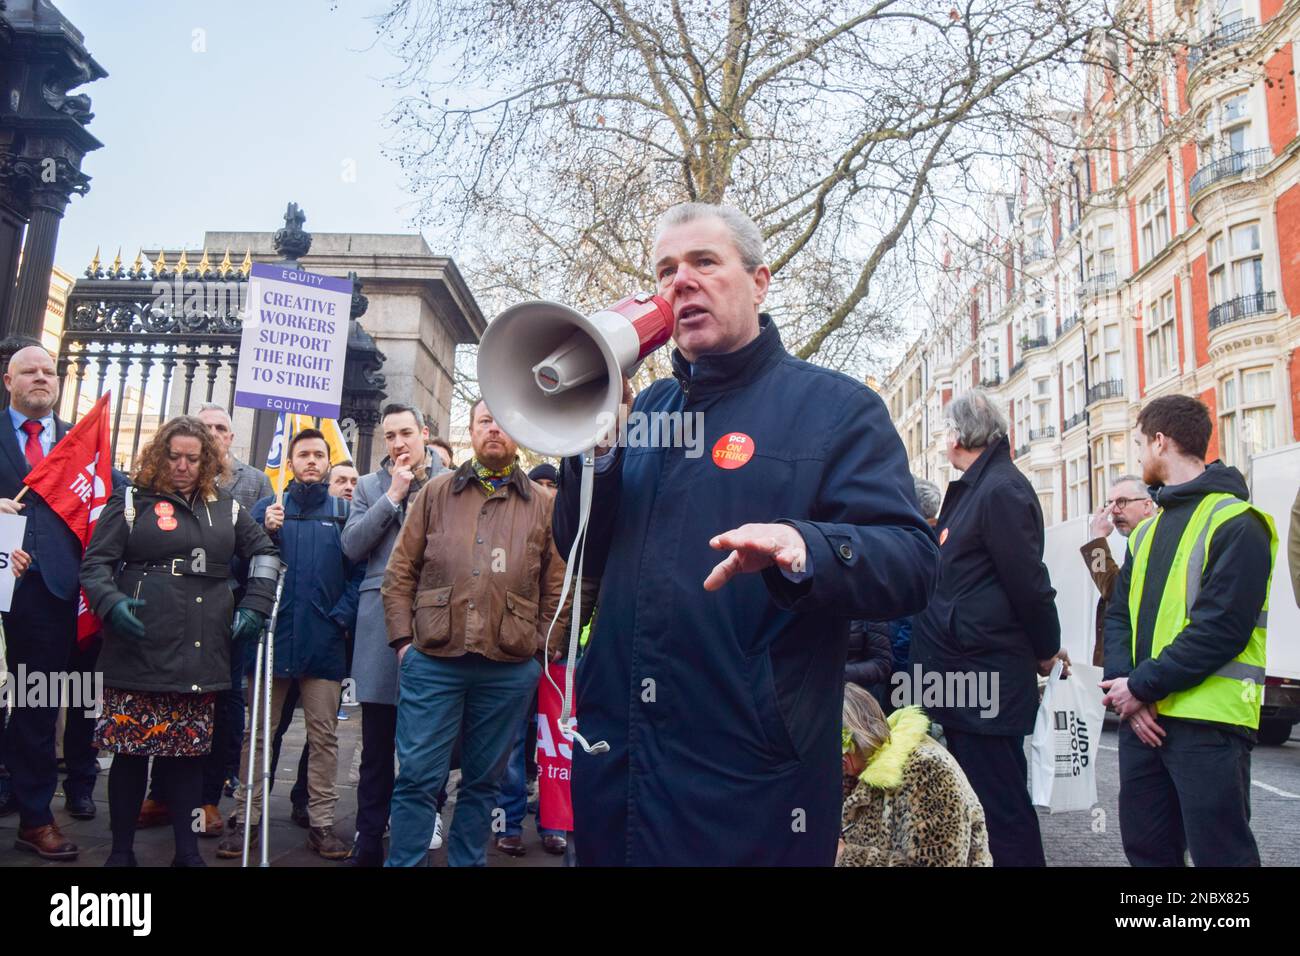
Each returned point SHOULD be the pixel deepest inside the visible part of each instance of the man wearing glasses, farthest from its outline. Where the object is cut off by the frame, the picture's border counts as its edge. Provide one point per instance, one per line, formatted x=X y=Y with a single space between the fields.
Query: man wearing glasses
x=1128 y=505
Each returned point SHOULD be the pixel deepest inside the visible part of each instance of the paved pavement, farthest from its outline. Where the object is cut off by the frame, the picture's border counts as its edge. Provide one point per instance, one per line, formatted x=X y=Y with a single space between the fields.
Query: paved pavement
x=288 y=845
x=1070 y=839
x=1092 y=838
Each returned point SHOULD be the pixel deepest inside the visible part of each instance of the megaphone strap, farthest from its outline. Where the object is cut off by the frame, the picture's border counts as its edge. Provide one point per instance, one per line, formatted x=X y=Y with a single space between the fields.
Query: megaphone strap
x=576 y=554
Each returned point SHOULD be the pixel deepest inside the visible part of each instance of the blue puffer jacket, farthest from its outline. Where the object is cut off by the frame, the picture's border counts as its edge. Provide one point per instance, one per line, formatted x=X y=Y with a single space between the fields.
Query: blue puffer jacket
x=319 y=601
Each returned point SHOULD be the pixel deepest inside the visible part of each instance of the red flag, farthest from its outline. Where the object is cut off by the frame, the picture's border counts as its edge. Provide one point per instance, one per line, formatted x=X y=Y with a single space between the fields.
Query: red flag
x=554 y=756
x=75 y=480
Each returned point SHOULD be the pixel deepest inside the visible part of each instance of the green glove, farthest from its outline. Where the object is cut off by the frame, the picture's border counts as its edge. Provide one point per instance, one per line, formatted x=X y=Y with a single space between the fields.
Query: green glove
x=248 y=624
x=123 y=621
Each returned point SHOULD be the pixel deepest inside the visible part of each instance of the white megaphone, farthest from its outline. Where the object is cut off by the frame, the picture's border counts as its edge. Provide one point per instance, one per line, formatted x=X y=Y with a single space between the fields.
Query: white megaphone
x=553 y=377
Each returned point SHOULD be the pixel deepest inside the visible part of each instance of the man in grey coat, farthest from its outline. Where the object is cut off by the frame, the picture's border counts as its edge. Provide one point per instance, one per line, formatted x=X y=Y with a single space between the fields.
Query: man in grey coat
x=378 y=510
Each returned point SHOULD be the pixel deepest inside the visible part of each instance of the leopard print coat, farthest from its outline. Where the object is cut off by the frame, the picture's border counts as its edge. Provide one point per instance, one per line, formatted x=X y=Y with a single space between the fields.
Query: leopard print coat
x=913 y=806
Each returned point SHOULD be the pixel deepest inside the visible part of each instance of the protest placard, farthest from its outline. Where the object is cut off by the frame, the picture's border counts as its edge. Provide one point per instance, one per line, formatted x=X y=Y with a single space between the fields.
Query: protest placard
x=11 y=537
x=294 y=342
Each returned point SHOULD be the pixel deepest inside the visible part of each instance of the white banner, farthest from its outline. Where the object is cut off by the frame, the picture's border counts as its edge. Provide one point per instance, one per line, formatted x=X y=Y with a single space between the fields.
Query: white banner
x=11 y=537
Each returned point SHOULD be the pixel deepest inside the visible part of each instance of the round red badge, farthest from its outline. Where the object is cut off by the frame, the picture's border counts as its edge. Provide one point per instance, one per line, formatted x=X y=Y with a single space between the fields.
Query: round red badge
x=166 y=523
x=733 y=450
x=943 y=536
x=164 y=509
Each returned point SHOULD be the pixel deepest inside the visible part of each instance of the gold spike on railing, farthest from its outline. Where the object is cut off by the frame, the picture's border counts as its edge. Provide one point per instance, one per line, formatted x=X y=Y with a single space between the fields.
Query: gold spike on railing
x=246 y=266
x=160 y=264
x=117 y=262
x=182 y=263
x=138 y=265
x=225 y=266
x=204 y=265
x=94 y=263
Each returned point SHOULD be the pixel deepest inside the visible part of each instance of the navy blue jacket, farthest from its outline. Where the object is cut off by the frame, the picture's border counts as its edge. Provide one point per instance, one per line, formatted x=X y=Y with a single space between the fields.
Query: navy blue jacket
x=319 y=601
x=994 y=611
x=722 y=709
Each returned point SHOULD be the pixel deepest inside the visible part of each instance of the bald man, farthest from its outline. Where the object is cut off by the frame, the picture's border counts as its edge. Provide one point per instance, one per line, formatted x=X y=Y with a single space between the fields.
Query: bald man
x=41 y=625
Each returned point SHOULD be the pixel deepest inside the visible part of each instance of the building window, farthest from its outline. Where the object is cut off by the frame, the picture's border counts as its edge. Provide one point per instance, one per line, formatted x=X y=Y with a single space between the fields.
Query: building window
x=1106 y=356
x=1075 y=393
x=1101 y=252
x=1214 y=15
x=1237 y=266
x=1154 y=217
x=1043 y=404
x=1162 y=340
x=1246 y=415
x=1109 y=463
x=1076 y=490
x=1226 y=130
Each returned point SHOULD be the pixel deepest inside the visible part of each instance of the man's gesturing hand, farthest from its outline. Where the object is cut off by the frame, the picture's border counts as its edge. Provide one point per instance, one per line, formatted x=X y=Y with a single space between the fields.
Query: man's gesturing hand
x=755 y=547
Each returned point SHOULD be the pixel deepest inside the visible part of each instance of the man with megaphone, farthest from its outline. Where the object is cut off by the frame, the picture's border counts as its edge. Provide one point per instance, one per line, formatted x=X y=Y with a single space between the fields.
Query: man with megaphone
x=717 y=690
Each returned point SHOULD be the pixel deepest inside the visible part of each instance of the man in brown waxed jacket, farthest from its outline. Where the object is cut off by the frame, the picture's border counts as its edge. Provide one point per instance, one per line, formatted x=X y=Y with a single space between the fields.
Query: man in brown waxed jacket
x=1126 y=508
x=472 y=584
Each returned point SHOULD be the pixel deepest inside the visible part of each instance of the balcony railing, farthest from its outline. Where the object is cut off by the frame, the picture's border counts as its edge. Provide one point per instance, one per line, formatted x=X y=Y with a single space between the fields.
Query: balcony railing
x=1022 y=451
x=1076 y=419
x=1038 y=434
x=1068 y=324
x=1234 y=310
x=993 y=382
x=1228 y=167
x=1225 y=36
x=1014 y=369
x=1104 y=390
x=1037 y=254
x=1037 y=342
x=1095 y=285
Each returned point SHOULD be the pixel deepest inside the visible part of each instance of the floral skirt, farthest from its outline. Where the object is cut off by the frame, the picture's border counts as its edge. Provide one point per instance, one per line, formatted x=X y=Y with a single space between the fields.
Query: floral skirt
x=156 y=723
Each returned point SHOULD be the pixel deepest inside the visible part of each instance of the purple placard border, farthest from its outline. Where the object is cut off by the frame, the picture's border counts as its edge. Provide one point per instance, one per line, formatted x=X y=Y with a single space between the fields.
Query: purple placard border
x=264 y=270
x=277 y=403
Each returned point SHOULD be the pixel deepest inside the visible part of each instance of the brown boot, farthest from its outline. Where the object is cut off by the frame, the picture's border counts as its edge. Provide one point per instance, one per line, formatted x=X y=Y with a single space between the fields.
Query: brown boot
x=512 y=846
x=153 y=813
x=323 y=841
x=47 y=842
x=231 y=846
x=213 y=825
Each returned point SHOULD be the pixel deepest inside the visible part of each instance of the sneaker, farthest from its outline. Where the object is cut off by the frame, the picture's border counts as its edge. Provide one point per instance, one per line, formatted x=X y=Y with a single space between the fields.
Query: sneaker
x=436 y=842
x=325 y=842
x=343 y=714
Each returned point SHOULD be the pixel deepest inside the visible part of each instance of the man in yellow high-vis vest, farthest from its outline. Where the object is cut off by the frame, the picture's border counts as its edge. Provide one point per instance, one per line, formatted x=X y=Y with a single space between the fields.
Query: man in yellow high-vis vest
x=1185 y=634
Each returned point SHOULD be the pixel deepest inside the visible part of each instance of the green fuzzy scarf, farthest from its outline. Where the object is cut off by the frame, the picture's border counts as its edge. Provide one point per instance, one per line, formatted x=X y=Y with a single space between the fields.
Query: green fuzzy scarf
x=907 y=728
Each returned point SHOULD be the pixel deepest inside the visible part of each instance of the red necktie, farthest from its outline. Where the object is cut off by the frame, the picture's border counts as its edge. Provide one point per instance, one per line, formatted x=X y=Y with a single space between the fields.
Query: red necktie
x=33 y=449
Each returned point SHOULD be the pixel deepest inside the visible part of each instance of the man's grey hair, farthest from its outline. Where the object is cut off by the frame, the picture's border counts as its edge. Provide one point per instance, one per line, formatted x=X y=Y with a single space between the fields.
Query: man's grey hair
x=976 y=417
x=399 y=408
x=929 y=497
x=744 y=232
x=1124 y=479
x=213 y=407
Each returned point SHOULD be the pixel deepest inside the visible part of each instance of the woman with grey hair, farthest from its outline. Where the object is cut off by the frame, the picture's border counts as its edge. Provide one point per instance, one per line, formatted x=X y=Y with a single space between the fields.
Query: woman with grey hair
x=992 y=621
x=930 y=498
x=908 y=802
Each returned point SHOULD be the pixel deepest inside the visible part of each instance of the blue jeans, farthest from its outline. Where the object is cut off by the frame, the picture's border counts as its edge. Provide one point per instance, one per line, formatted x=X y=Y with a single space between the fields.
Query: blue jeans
x=514 y=785
x=436 y=694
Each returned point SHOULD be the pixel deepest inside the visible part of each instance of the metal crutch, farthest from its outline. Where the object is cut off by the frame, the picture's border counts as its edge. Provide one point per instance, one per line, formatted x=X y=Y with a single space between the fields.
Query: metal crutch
x=262 y=675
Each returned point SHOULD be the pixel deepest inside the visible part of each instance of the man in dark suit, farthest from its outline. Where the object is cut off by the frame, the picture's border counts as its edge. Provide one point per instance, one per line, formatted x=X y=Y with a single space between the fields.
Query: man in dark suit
x=991 y=625
x=41 y=625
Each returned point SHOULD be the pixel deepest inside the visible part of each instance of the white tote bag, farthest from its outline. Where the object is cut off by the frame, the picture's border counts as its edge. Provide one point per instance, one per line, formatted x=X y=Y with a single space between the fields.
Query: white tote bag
x=1063 y=755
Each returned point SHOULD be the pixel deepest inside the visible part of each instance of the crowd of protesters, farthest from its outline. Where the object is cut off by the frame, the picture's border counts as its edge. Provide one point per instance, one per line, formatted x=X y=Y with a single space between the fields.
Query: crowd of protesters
x=744 y=615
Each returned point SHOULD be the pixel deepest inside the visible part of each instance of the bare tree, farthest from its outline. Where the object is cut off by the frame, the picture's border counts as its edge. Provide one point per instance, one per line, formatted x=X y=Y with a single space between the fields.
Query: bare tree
x=546 y=135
